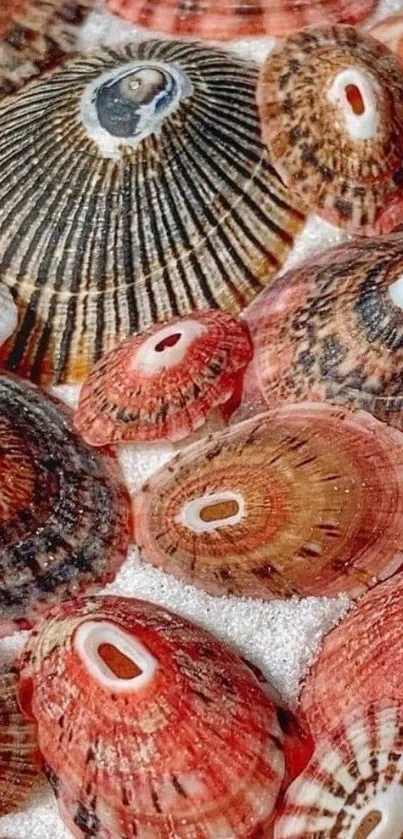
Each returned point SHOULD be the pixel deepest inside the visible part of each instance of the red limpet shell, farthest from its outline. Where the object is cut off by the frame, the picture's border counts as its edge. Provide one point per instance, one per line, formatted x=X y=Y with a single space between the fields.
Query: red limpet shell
x=150 y=727
x=353 y=785
x=306 y=499
x=20 y=763
x=165 y=382
x=361 y=660
x=390 y=32
x=226 y=19
x=331 y=107
x=332 y=330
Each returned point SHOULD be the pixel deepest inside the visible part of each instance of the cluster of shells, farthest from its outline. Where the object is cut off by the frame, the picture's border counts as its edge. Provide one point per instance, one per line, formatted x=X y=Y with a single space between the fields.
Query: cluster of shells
x=150 y=194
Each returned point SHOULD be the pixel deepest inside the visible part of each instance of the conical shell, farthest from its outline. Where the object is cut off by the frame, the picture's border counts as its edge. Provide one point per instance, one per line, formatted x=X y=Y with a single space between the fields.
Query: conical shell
x=149 y=726
x=361 y=660
x=64 y=510
x=8 y=314
x=35 y=35
x=155 y=197
x=225 y=19
x=390 y=32
x=305 y=500
x=165 y=382
x=331 y=105
x=19 y=754
x=352 y=788
x=332 y=330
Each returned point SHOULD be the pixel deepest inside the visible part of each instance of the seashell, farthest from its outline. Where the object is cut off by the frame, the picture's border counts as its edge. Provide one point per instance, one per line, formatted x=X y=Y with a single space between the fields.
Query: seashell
x=361 y=660
x=332 y=330
x=165 y=382
x=19 y=755
x=149 y=726
x=35 y=35
x=228 y=19
x=306 y=500
x=330 y=102
x=64 y=510
x=352 y=786
x=390 y=33
x=8 y=314
x=156 y=197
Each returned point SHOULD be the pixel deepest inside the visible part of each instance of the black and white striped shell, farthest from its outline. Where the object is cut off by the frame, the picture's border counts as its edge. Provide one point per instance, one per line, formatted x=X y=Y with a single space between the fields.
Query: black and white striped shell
x=64 y=510
x=134 y=187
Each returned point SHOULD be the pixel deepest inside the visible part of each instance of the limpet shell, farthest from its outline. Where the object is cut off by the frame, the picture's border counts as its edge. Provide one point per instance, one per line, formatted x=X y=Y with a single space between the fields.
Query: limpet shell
x=143 y=192
x=361 y=660
x=8 y=314
x=19 y=754
x=331 y=105
x=226 y=19
x=390 y=32
x=332 y=330
x=165 y=382
x=303 y=500
x=352 y=786
x=64 y=510
x=149 y=726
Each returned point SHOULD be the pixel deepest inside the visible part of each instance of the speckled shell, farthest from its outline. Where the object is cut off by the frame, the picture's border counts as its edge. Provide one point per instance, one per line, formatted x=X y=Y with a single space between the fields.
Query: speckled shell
x=64 y=510
x=35 y=35
x=361 y=660
x=225 y=19
x=342 y=156
x=165 y=382
x=390 y=32
x=304 y=500
x=155 y=197
x=8 y=314
x=332 y=330
x=352 y=786
x=188 y=748
x=19 y=754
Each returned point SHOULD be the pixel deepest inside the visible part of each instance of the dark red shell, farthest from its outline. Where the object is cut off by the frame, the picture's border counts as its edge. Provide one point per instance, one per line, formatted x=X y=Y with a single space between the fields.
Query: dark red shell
x=64 y=509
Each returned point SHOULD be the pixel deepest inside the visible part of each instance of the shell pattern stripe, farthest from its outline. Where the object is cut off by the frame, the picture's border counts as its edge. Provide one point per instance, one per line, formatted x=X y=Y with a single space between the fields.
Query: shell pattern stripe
x=20 y=761
x=157 y=197
x=225 y=19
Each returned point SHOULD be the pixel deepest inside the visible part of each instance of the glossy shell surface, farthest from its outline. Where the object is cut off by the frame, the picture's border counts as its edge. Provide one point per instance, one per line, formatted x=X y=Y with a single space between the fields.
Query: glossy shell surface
x=331 y=105
x=19 y=754
x=64 y=510
x=390 y=32
x=143 y=192
x=304 y=500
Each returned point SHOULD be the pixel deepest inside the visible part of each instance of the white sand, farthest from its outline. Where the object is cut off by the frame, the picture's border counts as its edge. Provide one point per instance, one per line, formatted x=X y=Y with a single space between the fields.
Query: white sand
x=282 y=638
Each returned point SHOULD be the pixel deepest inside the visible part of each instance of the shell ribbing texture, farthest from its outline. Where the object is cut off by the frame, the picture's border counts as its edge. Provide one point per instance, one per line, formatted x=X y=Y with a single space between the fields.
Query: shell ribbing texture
x=97 y=247
x=19 y=754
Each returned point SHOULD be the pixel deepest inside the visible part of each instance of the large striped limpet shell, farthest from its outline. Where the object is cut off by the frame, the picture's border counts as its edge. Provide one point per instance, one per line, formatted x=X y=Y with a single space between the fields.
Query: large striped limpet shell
x=331 y=104
x=19 y=753
x=143 y=192
x=225 y=19
x=305 y=499
x=332 y=330
x=361 y=660
x=149 y=726
x=352 y=788
x=165 y=382
x=64 y=509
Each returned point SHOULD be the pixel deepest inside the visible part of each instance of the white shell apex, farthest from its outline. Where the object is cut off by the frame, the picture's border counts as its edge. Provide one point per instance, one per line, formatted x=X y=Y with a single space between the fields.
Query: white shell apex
x=360 y=126
x=190 y=515
x=150 y=360
x=8 y=314
x=91 y=635
x=395 y=292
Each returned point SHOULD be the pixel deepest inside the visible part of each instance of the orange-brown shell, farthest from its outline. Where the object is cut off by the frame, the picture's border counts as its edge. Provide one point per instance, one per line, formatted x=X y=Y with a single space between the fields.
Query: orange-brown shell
x=390 y=32
x=20 y=761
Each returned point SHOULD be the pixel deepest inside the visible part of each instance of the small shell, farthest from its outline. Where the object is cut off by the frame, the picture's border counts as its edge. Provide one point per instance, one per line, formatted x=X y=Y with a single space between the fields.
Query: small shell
x=64 y=509
x=8 y=314
x=19 y=755
x=165 y=382
x=227 y=19
x=149 y=726
x=331 y=104
x=156 y=197
x=390 y=32
x=303 y=500
x=361 y=660
x=332 y=330
x=352 y=788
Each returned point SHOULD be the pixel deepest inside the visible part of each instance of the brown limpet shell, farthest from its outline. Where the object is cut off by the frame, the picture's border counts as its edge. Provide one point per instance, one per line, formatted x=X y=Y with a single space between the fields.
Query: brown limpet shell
x=20 y=761
x=332 y=330
x=64 y=509
x=331 y=106
x=303 y=500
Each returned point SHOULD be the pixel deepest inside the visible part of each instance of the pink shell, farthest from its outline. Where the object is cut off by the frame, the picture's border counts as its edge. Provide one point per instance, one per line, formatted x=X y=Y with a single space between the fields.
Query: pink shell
x=361 y=660
x=150 y=727
x=165 y=382
x=390 y=32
